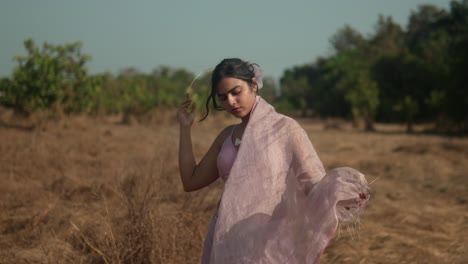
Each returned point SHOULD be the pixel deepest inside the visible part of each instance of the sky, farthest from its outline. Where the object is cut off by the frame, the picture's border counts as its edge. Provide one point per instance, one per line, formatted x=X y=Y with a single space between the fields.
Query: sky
x=194 y=35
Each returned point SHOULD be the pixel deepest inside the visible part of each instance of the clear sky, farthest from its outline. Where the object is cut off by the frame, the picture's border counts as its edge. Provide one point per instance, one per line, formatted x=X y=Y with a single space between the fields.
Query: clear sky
x=195 y=35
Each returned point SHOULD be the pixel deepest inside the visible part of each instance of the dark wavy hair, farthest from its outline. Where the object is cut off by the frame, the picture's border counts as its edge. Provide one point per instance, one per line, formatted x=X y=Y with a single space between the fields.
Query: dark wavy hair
x=232 y=67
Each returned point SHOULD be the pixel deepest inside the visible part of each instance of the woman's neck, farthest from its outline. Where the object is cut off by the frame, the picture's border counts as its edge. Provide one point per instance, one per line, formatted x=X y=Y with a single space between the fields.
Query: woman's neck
x=245 y=120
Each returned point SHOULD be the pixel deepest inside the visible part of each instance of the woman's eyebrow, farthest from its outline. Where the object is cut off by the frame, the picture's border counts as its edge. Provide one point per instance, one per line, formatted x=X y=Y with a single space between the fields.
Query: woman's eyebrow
x=229 y=90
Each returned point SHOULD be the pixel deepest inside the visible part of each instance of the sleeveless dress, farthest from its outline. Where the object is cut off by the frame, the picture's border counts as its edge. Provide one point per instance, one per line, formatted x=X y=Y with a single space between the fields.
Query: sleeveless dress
x=226 y=157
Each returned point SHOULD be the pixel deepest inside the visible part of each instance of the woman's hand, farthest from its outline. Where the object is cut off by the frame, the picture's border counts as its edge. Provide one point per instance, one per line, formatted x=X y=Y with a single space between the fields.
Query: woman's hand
x=186 y=113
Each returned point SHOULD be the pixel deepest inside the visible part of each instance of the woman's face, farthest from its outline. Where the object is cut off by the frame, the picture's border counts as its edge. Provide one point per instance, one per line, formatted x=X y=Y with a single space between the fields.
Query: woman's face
x=236 y=96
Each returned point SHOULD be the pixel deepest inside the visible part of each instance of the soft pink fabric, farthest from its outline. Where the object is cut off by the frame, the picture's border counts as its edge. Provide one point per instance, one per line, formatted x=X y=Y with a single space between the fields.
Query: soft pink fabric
x=226 y=157
x=228 y=153
x=279 y=205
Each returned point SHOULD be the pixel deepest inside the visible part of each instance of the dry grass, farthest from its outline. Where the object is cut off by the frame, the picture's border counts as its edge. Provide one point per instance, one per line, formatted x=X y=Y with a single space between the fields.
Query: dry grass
x=91 y=190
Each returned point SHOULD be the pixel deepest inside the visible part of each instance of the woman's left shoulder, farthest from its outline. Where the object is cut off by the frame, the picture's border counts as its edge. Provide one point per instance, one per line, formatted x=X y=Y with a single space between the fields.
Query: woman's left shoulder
x=288 y=122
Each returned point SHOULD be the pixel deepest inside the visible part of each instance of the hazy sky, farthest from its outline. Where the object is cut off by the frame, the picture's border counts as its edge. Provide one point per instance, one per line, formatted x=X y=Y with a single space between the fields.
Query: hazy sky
x=194 y=35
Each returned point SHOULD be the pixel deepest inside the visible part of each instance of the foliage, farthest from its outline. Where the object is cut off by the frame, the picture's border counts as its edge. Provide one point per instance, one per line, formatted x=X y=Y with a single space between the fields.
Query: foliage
x=392 y=75
x=53 y=76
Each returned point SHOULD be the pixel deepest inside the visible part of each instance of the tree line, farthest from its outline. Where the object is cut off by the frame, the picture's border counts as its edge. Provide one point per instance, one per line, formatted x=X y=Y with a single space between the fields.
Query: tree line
x=417 y=74
x=55 y=78
x=394 y=75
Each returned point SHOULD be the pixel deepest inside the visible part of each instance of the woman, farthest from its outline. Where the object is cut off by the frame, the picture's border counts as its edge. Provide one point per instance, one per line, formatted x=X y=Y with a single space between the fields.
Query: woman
x=278 y=204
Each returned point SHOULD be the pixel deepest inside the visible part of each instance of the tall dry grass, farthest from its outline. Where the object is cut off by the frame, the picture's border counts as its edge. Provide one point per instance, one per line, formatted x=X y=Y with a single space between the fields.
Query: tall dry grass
x=86 y=190
x=91 y=190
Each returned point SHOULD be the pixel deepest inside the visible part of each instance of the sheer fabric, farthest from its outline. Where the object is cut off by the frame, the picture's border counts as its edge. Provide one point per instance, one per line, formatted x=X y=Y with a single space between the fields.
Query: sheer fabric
x=279 y=205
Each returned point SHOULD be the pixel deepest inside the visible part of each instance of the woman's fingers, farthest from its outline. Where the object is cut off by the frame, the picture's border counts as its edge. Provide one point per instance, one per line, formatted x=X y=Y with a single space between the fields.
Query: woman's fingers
x=186 y=106
x=186 y=111
x=186 y=103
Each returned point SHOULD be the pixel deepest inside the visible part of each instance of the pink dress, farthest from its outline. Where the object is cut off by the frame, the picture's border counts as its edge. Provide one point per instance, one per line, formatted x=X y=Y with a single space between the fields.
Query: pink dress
x=279 y=205
x=226 y=157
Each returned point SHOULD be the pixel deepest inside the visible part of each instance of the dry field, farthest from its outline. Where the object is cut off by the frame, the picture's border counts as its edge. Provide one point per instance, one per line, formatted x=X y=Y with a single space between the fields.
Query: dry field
x=91 y=190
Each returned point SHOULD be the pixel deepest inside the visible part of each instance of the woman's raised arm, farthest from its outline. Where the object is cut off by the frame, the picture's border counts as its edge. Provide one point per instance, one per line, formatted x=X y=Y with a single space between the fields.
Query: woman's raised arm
x=193 y=176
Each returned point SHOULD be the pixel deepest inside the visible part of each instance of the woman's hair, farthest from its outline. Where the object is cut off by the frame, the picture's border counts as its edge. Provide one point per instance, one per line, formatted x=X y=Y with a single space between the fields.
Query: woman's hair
x=235 y=68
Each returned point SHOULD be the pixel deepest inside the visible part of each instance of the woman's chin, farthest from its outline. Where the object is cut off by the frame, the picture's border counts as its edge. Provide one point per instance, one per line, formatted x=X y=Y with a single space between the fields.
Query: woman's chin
x=237 y=114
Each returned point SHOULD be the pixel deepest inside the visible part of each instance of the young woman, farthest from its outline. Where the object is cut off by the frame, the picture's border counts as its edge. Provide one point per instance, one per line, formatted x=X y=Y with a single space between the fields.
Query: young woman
x=278 y=205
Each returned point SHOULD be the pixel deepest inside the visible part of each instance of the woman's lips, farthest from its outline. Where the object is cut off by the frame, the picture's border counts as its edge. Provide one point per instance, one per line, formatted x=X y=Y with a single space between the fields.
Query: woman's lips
x=236 y=110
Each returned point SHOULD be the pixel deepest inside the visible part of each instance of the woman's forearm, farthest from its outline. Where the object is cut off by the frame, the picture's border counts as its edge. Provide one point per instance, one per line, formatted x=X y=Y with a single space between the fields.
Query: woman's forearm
x=187 y=163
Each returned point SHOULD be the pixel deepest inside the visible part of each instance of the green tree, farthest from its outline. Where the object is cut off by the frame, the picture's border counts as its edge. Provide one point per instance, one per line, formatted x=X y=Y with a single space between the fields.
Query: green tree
x=439 y=39
x=347 y=38
x=351 y=71
x=388 y=39
x=53 y=76
x=404 y=88
x=294 y=87
x=456 y=94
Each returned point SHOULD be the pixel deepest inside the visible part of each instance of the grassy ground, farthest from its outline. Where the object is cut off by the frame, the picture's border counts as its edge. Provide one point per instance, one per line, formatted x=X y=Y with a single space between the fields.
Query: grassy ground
x=91 y=190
